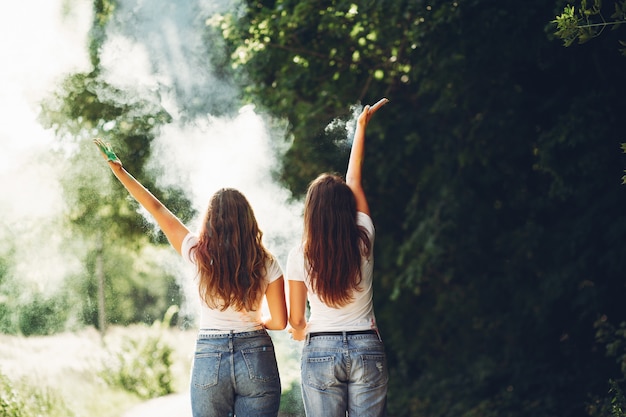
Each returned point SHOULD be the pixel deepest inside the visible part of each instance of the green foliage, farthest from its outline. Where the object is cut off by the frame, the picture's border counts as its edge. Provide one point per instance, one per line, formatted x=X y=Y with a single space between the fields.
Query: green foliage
x=86 y=107
x=139 y=289
x=7 y=287
x=614 y=341
x=302 y=60
x=141 y=366
x=612 y=405
x=6 y=320
x=587 y=22
x=43 y=316
x=25 y=400
x=291 y=404
x=102 y=220
x=11 y=404
x=618 y=401
x=493 y=182
x=25 y=309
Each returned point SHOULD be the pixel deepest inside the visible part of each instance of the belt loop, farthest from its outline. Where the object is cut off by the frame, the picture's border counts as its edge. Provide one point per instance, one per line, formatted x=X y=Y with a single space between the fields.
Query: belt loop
x=345 y=337
x=307 y=339
x=231 y=345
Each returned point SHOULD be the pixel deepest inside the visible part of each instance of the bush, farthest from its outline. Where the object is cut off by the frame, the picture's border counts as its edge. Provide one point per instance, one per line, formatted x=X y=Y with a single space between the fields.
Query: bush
x=43 y=316
x=142 y=366
x=291 y=401
x=24 y=400
x=7 y=325
x=11 y=403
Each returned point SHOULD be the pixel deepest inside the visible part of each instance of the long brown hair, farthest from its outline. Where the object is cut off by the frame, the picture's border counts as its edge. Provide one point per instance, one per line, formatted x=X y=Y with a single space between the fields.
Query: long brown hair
x=333 y=242
x=230 y=255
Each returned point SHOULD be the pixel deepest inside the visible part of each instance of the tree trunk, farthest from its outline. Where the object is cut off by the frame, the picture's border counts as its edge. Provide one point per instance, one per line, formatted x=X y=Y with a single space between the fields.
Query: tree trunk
x=100 y=278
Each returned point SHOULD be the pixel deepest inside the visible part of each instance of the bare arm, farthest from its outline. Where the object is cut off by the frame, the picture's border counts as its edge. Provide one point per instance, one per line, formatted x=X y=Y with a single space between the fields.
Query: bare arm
x=171 y=226
x=297 y=308
x=275 y=295
x=355 y=163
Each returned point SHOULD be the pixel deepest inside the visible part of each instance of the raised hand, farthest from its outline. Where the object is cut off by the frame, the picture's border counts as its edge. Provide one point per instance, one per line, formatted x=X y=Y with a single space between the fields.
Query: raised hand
x=368 y=111
x=107 y=151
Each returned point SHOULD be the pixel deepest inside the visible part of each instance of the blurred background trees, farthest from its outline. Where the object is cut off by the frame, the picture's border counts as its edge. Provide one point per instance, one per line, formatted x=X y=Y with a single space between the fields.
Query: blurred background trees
x=494 y=177
x=122 y=278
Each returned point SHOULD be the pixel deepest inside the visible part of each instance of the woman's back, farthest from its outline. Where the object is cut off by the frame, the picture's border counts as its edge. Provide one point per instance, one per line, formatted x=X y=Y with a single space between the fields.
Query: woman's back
x=231 y=318
x=234 y=369
x=358 y=313
x=343 y=365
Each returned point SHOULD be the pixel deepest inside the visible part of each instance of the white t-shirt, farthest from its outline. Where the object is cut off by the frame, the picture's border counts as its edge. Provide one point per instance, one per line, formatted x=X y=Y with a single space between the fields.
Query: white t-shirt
x=359 y=314
x=229 y=319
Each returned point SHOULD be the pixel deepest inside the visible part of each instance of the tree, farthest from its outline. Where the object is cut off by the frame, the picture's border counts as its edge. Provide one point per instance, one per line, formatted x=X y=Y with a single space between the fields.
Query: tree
x=587 y=22
x=493 y=180
x=98 y=212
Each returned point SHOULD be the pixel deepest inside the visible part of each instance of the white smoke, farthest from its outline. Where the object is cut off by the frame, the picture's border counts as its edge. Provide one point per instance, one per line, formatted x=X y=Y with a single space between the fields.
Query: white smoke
x=150 y=46
x=210 y=144
x=39 y=44
x=344 y=128
x=160 y=45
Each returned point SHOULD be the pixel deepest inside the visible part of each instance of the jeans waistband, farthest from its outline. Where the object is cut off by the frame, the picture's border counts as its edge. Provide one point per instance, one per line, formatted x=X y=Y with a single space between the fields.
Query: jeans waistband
x=210 y=333
x=350 y=333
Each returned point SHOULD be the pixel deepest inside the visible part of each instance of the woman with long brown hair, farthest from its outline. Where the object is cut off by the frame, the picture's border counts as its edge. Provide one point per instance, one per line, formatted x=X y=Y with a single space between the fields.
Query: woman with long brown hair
x=234 y=370
x=344 y=366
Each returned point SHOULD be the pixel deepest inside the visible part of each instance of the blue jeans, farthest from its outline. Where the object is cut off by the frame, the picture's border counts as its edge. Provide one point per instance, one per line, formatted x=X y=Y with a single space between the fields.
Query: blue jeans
x=344 y=373
x=235 y=374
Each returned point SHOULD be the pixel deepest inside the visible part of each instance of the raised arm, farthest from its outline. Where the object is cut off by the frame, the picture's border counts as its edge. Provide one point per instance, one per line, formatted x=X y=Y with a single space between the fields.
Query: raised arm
x=171 y=226
x=355 y=163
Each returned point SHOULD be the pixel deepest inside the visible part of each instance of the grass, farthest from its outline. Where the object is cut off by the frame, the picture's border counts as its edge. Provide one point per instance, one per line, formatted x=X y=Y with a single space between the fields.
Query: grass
x=65 y=371
x=18 y=399
x=62 y=374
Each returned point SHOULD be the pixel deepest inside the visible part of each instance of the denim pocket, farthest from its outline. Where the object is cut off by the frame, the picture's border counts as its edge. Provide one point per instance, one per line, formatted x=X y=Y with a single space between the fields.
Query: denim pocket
x=374 y=370
x=261 y=363
x=206 y=368
x=319 y=372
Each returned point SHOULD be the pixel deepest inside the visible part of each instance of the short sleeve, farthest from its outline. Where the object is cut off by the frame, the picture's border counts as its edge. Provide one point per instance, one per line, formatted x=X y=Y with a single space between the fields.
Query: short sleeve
x=189 y=242
x=365 y=221
x=295 y=264
x=274 y=271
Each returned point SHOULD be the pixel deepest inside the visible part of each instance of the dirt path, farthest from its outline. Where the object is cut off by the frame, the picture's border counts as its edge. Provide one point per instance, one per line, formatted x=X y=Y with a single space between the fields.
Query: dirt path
x=174 y=405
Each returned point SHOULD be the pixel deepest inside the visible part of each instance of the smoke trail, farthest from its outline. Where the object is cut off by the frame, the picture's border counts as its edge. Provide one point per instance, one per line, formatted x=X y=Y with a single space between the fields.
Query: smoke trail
x=211 y=143
x=171 y=36
x=158 y=46
x=39 y=44
x=230 y=152
x=343 y=130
